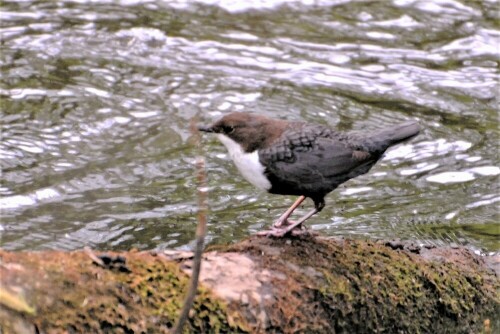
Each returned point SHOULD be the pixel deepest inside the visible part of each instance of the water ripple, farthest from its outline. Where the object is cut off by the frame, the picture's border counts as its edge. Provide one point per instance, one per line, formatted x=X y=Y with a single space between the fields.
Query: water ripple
x=97 y=100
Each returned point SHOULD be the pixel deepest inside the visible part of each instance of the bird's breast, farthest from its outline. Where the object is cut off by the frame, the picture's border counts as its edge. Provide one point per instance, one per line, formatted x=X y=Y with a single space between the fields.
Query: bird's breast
x=248 y=164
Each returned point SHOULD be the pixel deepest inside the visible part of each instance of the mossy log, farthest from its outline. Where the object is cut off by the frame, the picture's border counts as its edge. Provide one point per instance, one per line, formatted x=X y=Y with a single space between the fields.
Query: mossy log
x=260 y=285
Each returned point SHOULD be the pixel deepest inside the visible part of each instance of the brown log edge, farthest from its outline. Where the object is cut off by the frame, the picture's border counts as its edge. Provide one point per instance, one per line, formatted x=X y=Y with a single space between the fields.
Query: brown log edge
x=259 y=285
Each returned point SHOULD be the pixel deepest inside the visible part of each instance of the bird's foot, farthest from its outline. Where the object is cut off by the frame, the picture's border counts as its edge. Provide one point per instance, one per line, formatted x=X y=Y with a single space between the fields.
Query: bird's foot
x=280 y=232
x=281 y=223
x=273 y=232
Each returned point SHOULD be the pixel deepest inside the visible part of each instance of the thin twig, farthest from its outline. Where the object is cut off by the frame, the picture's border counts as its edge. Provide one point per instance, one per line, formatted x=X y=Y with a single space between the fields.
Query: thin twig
x=200 y=233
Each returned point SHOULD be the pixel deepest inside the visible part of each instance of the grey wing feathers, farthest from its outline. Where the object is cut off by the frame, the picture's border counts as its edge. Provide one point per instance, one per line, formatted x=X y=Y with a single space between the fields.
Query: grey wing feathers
x=314 y=160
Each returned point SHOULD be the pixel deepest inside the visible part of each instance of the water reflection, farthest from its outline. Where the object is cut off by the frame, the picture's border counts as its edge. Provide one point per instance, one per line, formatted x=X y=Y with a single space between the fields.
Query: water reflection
x=97 y=96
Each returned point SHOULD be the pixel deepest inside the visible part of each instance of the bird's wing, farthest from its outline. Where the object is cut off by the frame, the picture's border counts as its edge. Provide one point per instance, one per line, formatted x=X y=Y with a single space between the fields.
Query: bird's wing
x=314 y=159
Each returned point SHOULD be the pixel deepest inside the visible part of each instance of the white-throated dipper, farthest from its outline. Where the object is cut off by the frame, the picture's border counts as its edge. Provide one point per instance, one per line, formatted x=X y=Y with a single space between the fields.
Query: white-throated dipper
x=297 y=158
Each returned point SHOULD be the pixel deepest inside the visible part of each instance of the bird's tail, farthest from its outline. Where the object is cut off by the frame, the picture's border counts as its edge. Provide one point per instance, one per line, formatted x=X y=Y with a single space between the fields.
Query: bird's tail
x=401 y=132
x=381 y=140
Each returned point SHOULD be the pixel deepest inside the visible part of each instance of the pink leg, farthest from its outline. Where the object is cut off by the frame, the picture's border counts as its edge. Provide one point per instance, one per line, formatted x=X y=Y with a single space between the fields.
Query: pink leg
x=283 y=220
x=281 y=232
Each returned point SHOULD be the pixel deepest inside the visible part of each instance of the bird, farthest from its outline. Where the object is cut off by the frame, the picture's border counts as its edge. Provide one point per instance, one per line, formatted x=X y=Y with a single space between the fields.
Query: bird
x=299 y=158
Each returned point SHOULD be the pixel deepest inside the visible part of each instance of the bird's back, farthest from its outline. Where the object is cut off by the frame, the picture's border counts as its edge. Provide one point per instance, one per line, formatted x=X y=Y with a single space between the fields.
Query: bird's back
x=313 y=160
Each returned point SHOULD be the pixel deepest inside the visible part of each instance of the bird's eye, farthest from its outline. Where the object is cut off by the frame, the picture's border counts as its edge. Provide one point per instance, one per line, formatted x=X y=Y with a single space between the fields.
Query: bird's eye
x=228 y=129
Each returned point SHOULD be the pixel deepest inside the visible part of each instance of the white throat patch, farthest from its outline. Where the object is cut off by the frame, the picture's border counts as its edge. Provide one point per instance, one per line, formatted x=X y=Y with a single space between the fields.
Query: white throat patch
x=247 y=163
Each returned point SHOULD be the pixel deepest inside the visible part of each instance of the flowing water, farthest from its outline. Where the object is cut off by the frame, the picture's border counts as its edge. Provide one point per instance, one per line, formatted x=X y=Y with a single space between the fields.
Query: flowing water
x=97 y=97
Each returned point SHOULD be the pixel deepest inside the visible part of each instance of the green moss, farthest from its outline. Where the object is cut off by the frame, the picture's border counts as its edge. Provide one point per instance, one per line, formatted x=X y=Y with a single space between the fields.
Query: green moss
x=78 y=296
x=367 y=287
x=322 y=286
x=336 y=287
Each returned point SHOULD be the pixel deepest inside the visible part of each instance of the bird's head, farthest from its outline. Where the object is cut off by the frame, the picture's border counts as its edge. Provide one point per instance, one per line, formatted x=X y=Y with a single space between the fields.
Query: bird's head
x=251 y=131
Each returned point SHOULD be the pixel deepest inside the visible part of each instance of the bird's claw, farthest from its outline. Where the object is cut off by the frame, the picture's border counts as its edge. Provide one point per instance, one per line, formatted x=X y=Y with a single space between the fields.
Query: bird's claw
x=281 y=223
x=275 y=232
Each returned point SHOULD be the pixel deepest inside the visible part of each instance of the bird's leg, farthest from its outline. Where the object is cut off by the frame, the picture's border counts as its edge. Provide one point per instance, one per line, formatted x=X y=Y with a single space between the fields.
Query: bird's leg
x=283 y=220
x=295 y=226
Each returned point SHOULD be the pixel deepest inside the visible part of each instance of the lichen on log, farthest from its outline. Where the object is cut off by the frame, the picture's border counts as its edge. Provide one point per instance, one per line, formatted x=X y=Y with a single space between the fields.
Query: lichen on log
x=259 y=285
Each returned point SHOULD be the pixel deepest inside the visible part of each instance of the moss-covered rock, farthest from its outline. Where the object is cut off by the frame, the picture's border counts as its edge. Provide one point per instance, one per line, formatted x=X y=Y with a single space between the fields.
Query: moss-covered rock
x=73 y=295
x=348 y=286
x=260 y=285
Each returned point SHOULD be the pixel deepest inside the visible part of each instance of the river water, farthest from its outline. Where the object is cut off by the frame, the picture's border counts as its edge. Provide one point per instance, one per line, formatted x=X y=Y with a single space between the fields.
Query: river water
x=97 y=97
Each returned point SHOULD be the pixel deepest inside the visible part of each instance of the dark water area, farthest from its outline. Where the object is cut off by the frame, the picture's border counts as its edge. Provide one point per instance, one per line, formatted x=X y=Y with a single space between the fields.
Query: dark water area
x=97 y=97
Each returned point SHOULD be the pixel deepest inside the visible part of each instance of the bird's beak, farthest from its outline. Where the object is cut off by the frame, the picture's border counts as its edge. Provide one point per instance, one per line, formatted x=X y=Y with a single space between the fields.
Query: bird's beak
x=205 y=128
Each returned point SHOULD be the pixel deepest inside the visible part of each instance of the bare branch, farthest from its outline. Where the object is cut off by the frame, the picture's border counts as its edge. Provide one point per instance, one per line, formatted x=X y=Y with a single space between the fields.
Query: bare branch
x=201 y=229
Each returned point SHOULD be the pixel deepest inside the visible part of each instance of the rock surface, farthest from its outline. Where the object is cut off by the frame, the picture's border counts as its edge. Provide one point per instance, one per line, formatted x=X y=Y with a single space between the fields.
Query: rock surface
x=260 y=285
